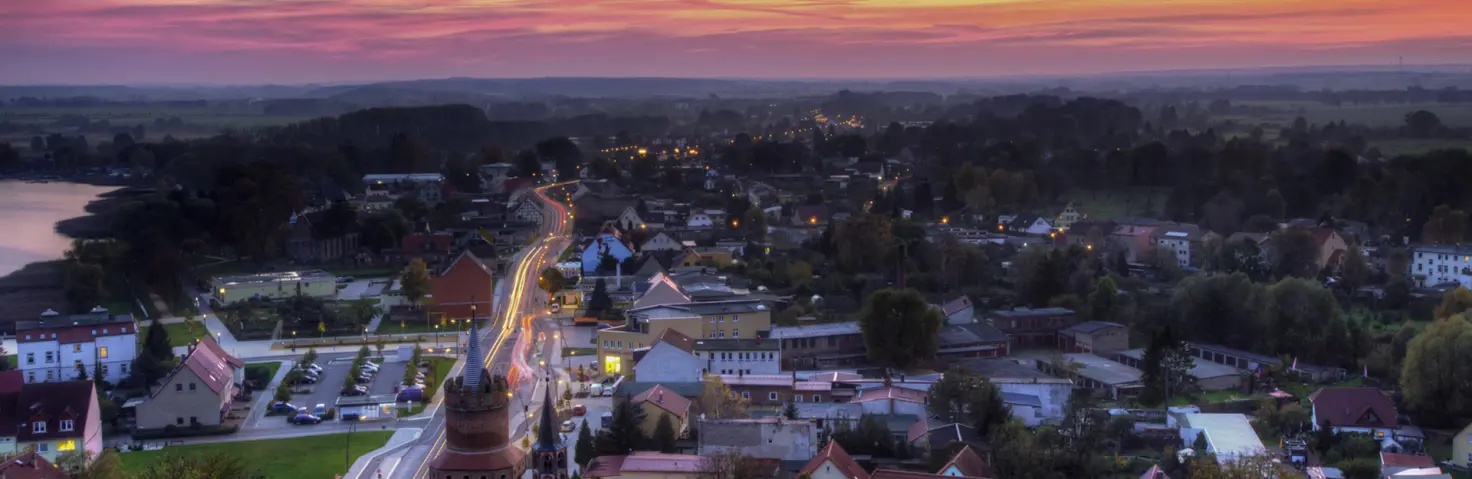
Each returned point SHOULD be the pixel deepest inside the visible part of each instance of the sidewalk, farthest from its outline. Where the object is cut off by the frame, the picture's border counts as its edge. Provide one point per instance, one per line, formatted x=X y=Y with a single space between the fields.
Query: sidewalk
x=402 y=437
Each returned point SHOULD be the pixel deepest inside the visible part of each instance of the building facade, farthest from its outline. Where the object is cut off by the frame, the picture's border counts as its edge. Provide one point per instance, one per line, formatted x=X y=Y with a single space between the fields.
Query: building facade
x=1033 y=328
x=196 y=393
x=739 y=356
x=820 y=346
x=53 y=347
x=50 y=418
x=1439 y=264
x=477 y=425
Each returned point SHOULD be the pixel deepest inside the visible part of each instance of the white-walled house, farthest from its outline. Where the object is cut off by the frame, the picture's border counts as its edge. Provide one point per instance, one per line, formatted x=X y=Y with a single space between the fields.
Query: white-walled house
x=661 y=241
x=1362 y=410
x=1181 y=241
x=1437 y=264
x=699 y=219
x=670 y=359
x=740 y=356
x=49 y=349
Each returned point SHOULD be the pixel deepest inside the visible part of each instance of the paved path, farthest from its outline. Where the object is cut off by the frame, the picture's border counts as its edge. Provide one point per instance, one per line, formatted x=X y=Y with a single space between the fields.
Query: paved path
x=402 y=438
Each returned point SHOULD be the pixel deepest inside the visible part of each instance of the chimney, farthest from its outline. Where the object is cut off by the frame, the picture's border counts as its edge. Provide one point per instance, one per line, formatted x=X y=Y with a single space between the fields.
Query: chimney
x=660 y=397
x=887 y=381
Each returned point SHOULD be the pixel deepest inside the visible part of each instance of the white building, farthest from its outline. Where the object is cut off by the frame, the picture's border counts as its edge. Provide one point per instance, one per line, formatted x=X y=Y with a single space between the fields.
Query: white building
x=740 y=356
x=670 y=359
x=1437 y=264
x=1182 y=241
x=50 y=349
x=699 y=220
x=1229 y=436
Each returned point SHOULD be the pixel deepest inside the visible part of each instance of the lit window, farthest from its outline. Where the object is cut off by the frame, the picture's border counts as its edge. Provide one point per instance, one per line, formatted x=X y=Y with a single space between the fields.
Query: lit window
x=102 y=352
x=77 y=348
x=67 y=445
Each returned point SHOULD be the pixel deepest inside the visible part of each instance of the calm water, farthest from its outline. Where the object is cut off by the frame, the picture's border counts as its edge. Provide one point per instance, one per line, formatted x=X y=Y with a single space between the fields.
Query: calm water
x=28 y=216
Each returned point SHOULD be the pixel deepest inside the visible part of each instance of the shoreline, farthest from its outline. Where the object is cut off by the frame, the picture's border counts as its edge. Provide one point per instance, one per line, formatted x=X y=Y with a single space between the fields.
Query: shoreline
x=91 y=224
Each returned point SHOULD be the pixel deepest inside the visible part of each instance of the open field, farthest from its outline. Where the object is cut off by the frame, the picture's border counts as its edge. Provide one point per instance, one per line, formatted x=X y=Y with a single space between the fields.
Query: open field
x=182 y=334
x=1457 y=115
x=311 y=457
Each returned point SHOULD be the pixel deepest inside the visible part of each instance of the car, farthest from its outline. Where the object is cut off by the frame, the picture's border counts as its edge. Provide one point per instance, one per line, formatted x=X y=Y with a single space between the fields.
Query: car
x=310 y=373
x=311 y=367
x=411 y=394
x=304 y=379
x=302 y=418
x=579 y=410
x=345 y=279
x=568 y=426
x=319 y=409
x=368 y=369
x=354 y=391
x=370 y=363
x=365 y=378
x=283 y=407
x=415 y=384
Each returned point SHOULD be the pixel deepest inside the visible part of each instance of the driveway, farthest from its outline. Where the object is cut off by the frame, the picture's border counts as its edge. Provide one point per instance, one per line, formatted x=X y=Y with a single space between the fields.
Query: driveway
x=390 y=374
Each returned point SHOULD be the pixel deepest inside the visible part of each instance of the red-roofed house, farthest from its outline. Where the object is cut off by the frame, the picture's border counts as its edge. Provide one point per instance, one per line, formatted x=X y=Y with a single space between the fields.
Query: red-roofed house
x=964 y=464
x=466 y=285
x=659 y=402
x=196 y=393
x=30 y=465
x=1362 y=410
x=51 y=418
x=1392 y=463
x=832 y=462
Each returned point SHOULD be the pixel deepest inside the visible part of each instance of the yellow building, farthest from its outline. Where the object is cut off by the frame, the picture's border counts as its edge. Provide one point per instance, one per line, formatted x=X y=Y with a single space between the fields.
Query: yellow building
x=284 y=284
x=742 y=318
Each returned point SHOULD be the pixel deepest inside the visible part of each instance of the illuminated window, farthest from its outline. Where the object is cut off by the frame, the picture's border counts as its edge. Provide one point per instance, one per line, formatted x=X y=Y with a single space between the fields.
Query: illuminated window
x=102 y=352
x=67 y=445
x=77 y=348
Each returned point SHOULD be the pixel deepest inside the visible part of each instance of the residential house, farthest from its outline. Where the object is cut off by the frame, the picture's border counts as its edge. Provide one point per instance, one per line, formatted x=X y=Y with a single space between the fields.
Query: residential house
x=1027 y=224
x=528 y=211
x=648 y=465
x=670 y=359
x=463 y=290
x=53 y=347
x=775 y=438
x=51 y=417
x=493 y=177
x=1067 y=217
x=1182 y=241
x=308 y=243
x=1155 y=472
x=1097 y=337
x=741 y=318
x=1134 y=236
x=195 y=393
x=1025 y=381
x=661 y=241
x=629 y=220
x=810 y=215
x=1033 y=328
x=659 y=402
x=699 y=219
x=662 y=290
x=928 y=435
x=966 y=463
x=1229 y=436
x=832 y=462
x=30 y=465
x=1362 y=410
x=1332 y=247
x=604 y=244
x=739 y=356
x=432 y=248
x=1432 y=265
x=821 y=346
x=777 y=390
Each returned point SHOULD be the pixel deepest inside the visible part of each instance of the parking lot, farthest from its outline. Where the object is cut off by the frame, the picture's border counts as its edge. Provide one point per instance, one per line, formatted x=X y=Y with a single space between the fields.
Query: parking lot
x=329 y=385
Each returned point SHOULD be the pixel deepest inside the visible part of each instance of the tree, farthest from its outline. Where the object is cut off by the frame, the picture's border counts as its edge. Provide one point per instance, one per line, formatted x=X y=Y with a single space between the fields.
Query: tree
x=84 y=289
x=734 y=465
x=383 y=229
x=1166 y=364
x=599 y=302
x=960 y=396
x=1422 y=123
x=899 y=327
x=1454 y=302
x=283 y=394
x=156 y=342
x=664 y=435
x=718 y=402
x=622 y=434
x=1436 y=386
x=789 y=410
x=563 y=154
x=1295 y=253
x=584 y=451
x=82 y=464
x=1104 y=301
x=412 y=208
x=81 y=372
x=209 y=465
x=799 y=273
x=415 y=281
x=527 y=165
x=552 y=280
x=1355 y=270
x=1256 y=466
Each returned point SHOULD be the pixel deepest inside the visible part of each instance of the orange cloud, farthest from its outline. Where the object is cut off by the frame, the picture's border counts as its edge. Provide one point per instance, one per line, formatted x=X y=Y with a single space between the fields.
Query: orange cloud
x=319 y=40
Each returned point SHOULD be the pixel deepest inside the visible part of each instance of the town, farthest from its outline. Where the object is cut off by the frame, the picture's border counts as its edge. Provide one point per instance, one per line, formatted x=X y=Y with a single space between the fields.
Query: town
x=1047 y=286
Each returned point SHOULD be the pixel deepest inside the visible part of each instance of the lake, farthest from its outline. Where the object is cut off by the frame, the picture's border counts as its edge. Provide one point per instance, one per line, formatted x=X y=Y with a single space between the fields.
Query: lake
x=28 y=216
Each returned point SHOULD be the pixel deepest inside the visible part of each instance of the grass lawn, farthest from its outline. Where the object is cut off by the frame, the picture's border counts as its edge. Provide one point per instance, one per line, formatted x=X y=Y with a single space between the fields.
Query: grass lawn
x=310 y=457
x=441 y=368
x=182 y=334
x=575 y=352
x=13 y=361
x=270 y=367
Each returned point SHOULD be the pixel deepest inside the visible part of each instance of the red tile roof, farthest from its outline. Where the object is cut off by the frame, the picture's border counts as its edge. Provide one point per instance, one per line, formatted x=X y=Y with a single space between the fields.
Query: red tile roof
x=1354 y=407
x=11 y=381
x=1390 y=459
x=677 y=339
x=893 y=392
x=211 y=368
x=605 y=466
x=840 y=460
x=666 y=400
x=209 y=342
x=29 y=465
x=969 y=464
x=424 y=243
x=75 y=334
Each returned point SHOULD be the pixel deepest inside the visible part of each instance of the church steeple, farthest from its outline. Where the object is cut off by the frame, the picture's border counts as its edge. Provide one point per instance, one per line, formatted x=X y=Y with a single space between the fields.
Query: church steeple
x=475 y=361
x=549 y=454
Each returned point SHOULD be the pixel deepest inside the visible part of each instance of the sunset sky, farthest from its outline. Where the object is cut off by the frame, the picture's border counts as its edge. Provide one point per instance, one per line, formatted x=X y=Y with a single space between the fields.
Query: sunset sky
x=296 y=41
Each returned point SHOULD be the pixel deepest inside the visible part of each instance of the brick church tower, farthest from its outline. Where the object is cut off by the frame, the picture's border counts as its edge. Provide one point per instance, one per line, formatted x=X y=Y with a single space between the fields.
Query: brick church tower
x=548 y=457
x=477 y=427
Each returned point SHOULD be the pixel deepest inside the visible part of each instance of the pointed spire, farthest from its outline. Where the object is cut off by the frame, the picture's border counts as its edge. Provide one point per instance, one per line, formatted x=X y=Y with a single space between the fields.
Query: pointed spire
x=547 y=433
x=475 y=361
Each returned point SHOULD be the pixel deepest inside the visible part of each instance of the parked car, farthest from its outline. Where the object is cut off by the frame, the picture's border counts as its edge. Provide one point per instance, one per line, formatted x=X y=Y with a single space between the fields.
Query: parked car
x=310 y=373
x=355 y=391
x=345 y=279
x=579 y=410
x=311 y=367
x=320 y=409
x=283 y=407
x=302 y=418
x=415 y=384
x=304 y=379
x=351 y=416
x=411 y=394
x=368 y=369
x=568 y=426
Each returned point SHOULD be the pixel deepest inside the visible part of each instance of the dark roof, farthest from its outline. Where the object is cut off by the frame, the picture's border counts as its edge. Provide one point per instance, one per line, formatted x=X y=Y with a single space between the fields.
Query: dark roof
x=957 y=335
x=548 y=439
x=1031 y=312
x=1090 y=327
x=51 y=402
x=1390 y=459
x=745 y=344
x=969 y=464
x=686 y=389
x=998 y=368
x=30 y=465
x=1354 y=407
x=665 y=399
x=943 y=436
x=1022 y=399
x=209 y=342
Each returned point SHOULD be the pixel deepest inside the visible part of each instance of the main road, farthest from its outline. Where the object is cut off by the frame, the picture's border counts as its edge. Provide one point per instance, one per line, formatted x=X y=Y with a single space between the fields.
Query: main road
x=506 y=341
